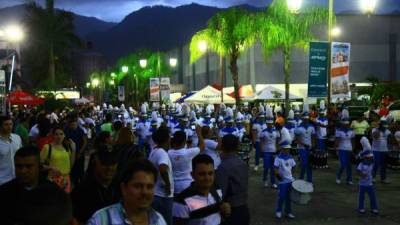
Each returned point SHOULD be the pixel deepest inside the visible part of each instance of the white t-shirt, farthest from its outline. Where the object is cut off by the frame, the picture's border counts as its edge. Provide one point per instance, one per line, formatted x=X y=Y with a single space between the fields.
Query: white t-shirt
x=257 y=127
x=211 y=150
x=344 y=139
x=193 y=203
x=268 y=140
x=8 y=148
x=305 y=135
x=182 y=166
x=380 y=144
x=285 y=163
x=34 y=131
x=321 y=131
x=159 y=156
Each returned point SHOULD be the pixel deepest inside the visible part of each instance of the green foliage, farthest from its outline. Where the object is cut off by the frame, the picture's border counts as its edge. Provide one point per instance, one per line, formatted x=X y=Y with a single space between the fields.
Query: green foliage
x=382 y=89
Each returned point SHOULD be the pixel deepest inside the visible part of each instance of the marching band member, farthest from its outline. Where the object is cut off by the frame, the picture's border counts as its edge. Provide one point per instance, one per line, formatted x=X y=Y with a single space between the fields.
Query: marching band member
x=321 y=155
x=257 y=127
x=380 y=149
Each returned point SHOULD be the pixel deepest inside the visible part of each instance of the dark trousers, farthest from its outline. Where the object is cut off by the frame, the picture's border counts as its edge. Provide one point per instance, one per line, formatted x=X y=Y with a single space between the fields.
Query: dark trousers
x=240 y=215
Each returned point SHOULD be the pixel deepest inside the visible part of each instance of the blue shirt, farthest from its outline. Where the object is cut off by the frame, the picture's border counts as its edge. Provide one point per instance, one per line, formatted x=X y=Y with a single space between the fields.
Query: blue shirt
x=116 y=215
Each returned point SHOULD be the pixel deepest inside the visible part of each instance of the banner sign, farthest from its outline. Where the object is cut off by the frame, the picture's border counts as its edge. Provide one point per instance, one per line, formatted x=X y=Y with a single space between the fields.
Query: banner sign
x=121 y=93
x=318 y=69
x=154 y=90
x=340 y=56
x=165 y=88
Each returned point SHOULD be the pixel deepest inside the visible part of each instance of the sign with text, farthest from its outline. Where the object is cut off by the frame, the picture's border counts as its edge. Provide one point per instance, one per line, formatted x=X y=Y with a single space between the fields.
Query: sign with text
x=340 y=69
x=318 y=69
x=121 y=93
x=154 y=89
x=165 y=88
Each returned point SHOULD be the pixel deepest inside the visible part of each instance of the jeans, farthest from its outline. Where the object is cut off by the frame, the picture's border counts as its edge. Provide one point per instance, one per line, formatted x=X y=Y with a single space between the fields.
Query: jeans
x=258 y=153
x=269 y=165
x=380 y=164
x=345 y=163
x=163 y=205
x=305 y=164
x=284 y=197
x=240 y=215
x=372 y=197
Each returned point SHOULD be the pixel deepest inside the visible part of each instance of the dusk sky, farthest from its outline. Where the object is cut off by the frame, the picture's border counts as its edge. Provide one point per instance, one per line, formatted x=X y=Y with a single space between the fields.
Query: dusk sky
x=116 y=10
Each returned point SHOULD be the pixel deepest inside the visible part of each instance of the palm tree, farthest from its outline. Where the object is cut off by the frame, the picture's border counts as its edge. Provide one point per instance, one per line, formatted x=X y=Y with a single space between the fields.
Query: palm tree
x=281 y=29
x=52 y=33
x=229 y=33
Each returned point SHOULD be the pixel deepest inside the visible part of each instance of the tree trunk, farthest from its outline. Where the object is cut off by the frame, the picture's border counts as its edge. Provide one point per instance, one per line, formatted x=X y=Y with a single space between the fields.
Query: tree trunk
x=286 y=62
x=233 y=67
x=52 y=69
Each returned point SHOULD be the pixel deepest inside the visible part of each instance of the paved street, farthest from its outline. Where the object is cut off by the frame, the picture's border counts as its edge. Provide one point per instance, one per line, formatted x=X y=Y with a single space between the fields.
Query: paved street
x=331 y=204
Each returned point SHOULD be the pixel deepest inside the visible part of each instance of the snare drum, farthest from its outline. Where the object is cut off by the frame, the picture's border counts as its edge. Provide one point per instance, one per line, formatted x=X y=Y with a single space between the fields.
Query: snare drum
x=301 y=193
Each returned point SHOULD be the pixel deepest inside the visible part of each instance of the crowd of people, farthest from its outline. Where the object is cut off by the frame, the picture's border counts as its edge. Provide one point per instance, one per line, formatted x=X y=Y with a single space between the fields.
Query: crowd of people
x=181 y=163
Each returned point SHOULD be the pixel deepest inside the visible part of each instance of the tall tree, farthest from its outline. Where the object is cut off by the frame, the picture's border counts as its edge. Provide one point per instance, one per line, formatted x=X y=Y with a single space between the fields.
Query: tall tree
x=51 y=32
x=229 y=33
x=279 y=28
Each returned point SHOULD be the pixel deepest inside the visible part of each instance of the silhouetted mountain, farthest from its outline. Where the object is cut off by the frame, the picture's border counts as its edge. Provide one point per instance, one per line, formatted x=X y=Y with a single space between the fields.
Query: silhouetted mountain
x=83 y=25
x=156 y=28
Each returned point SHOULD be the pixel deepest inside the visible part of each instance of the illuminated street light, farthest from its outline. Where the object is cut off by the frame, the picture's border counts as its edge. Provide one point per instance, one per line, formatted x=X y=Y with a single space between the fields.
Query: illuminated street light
x=13 y=34
x=294 y=5
x=143 y=63
x=202 y=46
x=173 y=62
x=113 y=75
x=95 y=82
x=88 y=84
x=368 y=6
x=112 y=82
x=125 y=69
x=336 y=31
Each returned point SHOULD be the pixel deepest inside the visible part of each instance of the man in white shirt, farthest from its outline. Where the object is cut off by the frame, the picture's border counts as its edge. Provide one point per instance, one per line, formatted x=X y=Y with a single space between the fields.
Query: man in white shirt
x=164 y=188
x=9 y=145
x=201 y=203
x=305 y=138
x=268 y=141
x=345 y=145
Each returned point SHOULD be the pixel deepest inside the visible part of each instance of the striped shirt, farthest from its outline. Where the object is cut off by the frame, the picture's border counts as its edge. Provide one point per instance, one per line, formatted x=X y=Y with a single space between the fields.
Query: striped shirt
x=116 y=215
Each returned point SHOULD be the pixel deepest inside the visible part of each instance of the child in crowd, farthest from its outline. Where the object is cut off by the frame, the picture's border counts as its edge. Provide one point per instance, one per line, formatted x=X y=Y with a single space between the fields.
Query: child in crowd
x=365 y=170
x=284 y=164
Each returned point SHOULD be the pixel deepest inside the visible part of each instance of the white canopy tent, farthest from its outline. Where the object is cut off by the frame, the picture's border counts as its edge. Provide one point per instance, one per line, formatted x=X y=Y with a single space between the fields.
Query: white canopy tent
x=272 y=93
x=82 y=100
x=209 y=95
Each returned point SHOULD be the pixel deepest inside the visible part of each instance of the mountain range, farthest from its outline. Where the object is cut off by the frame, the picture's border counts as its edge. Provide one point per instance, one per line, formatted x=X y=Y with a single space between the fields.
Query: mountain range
x=156 y=28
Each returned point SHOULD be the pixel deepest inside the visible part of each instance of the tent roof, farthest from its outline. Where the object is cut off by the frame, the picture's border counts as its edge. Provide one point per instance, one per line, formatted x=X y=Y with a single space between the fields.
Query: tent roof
x=209 y=95
x=23 y=98
x=271 y=93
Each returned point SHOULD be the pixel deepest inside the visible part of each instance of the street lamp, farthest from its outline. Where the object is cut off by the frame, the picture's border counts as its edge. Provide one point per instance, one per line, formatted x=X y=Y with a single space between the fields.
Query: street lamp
x=95 y=82
x=143 y=63
x=125 y=69
x=88 y=85
x=173 y=62
x=112 y=82
x=14 y=34
x=113 y=75
x=368 y=6
x=336 y=31
x=294 y=5
x=202 y=46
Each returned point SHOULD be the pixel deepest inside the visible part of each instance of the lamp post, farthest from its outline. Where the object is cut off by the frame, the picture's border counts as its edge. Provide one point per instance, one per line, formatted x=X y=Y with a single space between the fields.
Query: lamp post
x=173 y=62
x=368 y=6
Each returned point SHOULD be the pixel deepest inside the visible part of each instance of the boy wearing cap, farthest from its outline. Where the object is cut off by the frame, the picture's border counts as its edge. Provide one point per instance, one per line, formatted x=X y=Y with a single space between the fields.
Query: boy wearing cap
x=365 y=169
x=284 y=164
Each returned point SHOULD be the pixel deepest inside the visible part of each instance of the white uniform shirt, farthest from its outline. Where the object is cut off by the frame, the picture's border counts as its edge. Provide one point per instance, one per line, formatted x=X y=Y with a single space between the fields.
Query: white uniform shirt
x=257 y=128
x=159 y=156
x=381 y=144
x=305 y=135
x=8 y=148
x=211 y=150
x=268 y=140
x=284 y=163
x=34 y=131
x=322 y=131
x=142 y=128
x=182 y=166
x=344 y=138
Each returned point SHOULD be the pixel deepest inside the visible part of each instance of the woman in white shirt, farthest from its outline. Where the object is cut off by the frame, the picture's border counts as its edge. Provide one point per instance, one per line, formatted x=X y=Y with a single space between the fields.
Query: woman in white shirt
x=345 y=144
x=181 y=159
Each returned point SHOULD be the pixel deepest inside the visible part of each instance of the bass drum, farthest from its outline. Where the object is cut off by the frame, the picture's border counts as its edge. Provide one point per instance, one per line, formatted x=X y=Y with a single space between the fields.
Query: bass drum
x=393 y=160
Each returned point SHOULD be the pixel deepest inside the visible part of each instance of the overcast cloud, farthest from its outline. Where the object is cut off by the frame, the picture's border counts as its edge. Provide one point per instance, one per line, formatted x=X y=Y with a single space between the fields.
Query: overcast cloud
x=116 y=10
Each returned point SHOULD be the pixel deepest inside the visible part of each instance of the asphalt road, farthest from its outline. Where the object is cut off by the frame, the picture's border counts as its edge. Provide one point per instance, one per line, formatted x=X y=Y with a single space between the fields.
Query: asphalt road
x=331 y=204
